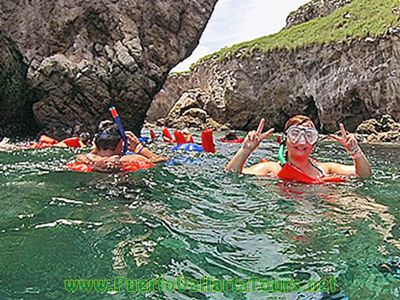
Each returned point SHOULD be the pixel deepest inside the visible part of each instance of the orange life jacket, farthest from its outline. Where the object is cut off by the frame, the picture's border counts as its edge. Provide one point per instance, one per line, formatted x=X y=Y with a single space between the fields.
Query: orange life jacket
x=78 y=166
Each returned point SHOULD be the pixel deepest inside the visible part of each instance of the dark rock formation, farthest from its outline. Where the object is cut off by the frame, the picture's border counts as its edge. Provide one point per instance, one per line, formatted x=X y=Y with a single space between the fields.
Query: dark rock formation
x=15 y=99
x=81 y=56
x=314 y=9
x=348 y=82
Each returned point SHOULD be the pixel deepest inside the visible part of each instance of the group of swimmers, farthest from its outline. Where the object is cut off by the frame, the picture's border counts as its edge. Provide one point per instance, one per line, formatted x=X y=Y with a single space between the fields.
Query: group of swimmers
x=299 y=138
x=298 y=141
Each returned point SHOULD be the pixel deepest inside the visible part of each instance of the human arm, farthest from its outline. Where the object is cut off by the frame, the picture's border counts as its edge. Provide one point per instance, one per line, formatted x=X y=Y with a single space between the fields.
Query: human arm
x=251 y=142
x=138 y=148
x=263 y=168
x=361 y=166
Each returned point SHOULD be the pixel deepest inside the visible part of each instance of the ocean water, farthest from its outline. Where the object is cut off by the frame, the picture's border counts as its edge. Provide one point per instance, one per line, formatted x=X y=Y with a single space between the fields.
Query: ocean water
x=190 y=221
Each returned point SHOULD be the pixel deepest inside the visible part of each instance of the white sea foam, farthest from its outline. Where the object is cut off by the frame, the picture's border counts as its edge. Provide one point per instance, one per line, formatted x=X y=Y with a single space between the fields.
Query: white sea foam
x=54 y=200
x=67 y=222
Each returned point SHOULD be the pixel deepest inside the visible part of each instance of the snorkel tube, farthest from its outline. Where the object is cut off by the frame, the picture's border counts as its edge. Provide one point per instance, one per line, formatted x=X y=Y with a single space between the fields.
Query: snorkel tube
x=281 y=153
x=121 y=129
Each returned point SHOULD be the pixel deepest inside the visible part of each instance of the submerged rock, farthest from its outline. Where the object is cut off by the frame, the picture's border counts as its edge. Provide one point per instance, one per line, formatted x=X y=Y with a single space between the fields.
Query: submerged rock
x=80 y=57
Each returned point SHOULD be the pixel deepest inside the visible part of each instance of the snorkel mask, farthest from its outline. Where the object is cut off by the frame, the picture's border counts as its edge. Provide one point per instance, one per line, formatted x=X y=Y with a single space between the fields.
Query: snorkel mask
x=293 y=134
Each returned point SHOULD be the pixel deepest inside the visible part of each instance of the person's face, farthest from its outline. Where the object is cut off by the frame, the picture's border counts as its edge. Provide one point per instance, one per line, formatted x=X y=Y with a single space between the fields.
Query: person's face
x=300 y=140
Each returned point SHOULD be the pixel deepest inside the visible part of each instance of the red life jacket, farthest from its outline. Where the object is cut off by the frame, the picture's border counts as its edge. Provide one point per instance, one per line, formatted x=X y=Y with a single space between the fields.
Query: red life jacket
x=190 y=139
x=166 y=133
x=207 y=141
x=291 y=173
x=237 y=141
x=153 y=134
x=180 y=137
x=73 y=142
x=44 y=142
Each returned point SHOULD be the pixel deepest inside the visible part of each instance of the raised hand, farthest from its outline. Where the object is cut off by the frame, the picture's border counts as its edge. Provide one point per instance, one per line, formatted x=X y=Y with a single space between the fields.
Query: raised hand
x=132 y=140
x=348 y=140
x=254 y=138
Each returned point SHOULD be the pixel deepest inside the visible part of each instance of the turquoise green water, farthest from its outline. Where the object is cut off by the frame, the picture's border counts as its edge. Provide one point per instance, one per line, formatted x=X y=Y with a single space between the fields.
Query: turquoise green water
x=193 y=221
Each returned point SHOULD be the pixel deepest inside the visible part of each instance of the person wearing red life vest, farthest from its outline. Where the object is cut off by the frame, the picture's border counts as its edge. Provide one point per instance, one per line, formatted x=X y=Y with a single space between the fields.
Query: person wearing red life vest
x=300 y=137
x=108 y=152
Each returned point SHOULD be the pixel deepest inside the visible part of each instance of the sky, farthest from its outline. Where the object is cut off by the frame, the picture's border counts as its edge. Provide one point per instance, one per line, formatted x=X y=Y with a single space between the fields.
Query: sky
x=236 y=21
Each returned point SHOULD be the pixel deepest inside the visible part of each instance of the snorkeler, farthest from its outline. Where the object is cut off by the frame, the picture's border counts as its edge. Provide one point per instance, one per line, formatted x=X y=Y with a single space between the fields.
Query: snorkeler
x=81 y=141
x=188 y=136
x=47 y=142
x=300 y=137
x=231 y=135
x=108 y=150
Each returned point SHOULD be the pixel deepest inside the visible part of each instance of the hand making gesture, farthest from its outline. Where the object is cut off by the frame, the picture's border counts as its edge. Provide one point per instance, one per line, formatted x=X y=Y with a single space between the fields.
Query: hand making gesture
x=348 y=141
x=254 y=138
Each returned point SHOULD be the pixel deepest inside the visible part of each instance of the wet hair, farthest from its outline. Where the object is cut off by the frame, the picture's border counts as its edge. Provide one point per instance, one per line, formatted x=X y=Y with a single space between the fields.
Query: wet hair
x=108 y=138
x=298 y=120
x=231 y=136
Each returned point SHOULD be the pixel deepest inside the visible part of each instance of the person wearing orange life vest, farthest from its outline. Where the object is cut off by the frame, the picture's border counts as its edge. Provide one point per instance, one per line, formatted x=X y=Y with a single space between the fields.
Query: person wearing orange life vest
x=300 y=136
x=108 y=151
x=75 y=142
x=167 y=137
x=48 y=142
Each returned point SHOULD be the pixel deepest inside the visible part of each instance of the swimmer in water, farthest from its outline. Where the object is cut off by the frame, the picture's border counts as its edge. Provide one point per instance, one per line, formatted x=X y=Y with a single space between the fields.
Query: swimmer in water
x=188 y=136
x=300 y=137
x=108 y=150
x=230 y=136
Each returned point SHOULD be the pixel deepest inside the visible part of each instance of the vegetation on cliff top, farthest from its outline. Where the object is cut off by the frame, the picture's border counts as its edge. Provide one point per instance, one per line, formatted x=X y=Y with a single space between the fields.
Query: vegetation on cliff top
x=360 y=18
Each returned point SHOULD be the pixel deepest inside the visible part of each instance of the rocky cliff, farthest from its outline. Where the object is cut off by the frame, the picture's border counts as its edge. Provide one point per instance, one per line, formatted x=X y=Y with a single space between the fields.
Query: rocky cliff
x=342 y=67
x=314 y=9
x=72 y=59
x=15 y=96
x=164 y=101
